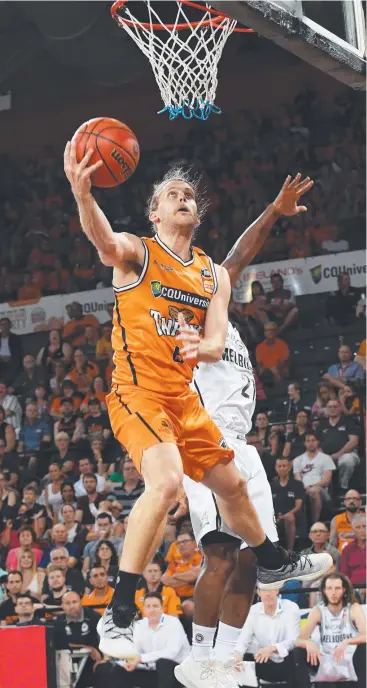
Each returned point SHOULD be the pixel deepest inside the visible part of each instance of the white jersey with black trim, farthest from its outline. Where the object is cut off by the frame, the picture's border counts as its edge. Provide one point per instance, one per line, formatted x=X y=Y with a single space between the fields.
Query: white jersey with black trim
x=334 y=628
x=227 y=388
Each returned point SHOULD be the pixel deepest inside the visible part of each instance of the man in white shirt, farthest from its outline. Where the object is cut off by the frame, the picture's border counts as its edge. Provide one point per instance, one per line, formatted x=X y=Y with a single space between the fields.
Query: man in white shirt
x=160 y=644
x=270 y=634
x=86 y=466
x=315 y=469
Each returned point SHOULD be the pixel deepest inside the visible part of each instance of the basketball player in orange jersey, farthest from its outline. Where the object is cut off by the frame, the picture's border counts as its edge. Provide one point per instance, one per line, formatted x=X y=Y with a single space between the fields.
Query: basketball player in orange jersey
x=170 y=312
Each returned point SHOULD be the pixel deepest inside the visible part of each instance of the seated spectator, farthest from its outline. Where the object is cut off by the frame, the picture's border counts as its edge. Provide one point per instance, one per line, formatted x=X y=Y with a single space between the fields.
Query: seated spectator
x=182 y=573
x=76 y=532
x=101 y=593
x=341 y=305
x=268 y=457
x=288 y=495
x=12 y=408
x=282 y=304
x=27 y=539
x=31 y=513
x=57 y=586
x=25 y=611
x=98 y=392
x=325 y=392
x=272 y=355
x=259 y=307
x=30 y=290
x=32 y=576
x=83 y=373
x=68 y=391
x=73 y=577
x=11 y=352
x=51 y=494
x=294 y=402
x=64 y=451
x=339 y=438
x=131 y=489
x=360 y=358
x=8 y=500
x=13 y=588
x=104 y=345
x=97 y=424
x=7 y=432
x=342 y=626
x=86 y=466
x=69 y=422
x=27 y=381
x=77 y=627
x=315 y=469
x=9 y=466
x=263 y=429
x=54 y=350
x=106 y=556
x=102 y=532
x=271 y=631
x=87 y=505
x=295 y=441
x=41 y=399
x=335 y=244
x=349 y=400
x=90 y=339
x=339 y=374
x=59 y=538
x=73 y=332
x=152 y=582
x=341 y=529
x=33 y=433
x=353 y=558
x=162 y=644
x=319 y=535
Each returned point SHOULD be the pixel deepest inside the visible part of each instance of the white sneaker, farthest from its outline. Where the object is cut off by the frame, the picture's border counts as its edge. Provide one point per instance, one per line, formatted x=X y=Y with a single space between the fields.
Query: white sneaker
x=114 y=641
x=203 y=674
x=227 y=671
x=302 y=567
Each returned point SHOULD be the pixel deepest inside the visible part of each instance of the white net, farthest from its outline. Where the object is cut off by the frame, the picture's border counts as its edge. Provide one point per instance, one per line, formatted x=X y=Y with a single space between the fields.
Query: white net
x=184 y=62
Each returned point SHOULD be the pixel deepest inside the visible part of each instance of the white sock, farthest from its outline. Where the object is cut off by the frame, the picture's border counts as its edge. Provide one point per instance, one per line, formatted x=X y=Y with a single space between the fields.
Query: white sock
x=202 y=641
x=226 y=642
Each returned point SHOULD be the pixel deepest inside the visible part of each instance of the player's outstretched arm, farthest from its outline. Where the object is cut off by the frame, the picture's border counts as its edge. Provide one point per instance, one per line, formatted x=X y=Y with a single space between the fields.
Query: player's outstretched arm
x=251 y=241
x=113 y=249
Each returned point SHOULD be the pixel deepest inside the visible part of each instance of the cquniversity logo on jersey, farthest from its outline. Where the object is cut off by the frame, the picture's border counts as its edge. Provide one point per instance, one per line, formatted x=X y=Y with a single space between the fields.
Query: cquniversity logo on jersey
x=178 y=295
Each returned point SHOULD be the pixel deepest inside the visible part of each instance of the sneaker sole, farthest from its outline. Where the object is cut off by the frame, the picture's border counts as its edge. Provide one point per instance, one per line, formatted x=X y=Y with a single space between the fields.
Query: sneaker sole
x=182 y=678
x=117 y=648
x=276 y=585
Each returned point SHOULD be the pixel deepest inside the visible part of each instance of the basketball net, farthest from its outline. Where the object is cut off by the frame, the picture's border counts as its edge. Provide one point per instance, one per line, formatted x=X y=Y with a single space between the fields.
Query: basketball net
x=184 y=56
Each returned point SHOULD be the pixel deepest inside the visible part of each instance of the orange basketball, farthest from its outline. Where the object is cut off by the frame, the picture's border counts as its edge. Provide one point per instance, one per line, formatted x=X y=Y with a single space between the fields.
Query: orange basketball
x=114 y=143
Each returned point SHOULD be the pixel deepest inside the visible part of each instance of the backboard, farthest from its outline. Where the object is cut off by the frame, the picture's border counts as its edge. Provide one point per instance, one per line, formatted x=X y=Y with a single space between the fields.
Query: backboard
x=328 y=34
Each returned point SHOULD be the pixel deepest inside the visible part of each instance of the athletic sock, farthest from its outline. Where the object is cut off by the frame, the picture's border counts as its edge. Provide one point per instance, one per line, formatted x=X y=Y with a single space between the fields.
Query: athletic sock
x=125 y=588
x=269 y=556
x=226 y=642
x=202 y=641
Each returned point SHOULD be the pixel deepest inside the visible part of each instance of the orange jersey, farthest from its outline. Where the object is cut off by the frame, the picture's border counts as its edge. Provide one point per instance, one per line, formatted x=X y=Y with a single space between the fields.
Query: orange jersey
x=181 y=566
x=170 y=599
x=145 y=322
x=92 y=599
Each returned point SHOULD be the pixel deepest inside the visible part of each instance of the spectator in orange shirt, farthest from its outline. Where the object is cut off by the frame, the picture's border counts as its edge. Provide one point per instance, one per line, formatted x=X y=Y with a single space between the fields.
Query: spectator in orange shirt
x=272 y=355
x=83 y=373
x=29 y=291
x=184 y=525
x=101 y=593
x=74 y=329
x=98 y=392
x=361 y=355
x=68 y=389
x=182 y=573
x=153 y=583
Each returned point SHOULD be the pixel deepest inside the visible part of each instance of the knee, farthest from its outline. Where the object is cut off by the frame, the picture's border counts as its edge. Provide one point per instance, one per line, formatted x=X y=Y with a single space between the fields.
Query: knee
x=238 y=488
x=187 y=607
x=167 y=489
x=314 y=490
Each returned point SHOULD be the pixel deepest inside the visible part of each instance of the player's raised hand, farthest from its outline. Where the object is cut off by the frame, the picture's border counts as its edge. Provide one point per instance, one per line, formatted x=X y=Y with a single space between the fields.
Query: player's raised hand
x=286 y=202
x=79 y=173
x=190 y=339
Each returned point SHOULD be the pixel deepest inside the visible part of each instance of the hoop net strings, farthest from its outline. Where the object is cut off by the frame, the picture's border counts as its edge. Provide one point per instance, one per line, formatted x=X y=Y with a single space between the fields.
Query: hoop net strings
x=184 y=63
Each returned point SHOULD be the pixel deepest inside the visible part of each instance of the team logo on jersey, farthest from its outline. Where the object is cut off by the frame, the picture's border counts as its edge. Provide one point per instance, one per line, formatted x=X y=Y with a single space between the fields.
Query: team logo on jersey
x=178 y=295
x=169 y=327
x=222 y=443
x=207 y=280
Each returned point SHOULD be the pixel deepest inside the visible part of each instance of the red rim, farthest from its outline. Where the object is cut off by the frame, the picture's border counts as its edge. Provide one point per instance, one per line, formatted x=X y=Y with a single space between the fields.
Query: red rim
x=218 y=16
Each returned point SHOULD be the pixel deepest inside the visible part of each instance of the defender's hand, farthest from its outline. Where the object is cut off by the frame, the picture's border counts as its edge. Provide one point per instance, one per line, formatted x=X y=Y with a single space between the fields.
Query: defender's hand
x=79 y=174
x=290 y=193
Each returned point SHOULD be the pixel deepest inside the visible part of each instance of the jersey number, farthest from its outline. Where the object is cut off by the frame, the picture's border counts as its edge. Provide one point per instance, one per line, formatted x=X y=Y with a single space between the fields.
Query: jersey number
x=176 y=355
x=249 y=390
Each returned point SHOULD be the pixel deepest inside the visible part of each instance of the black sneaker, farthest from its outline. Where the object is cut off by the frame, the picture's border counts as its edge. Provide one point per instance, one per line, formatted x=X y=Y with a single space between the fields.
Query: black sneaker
x=303 y=567
x=115 y=629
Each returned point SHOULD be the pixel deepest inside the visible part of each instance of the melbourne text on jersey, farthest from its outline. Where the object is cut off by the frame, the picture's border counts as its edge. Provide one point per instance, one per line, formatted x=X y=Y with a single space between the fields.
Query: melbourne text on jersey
x=237 y=358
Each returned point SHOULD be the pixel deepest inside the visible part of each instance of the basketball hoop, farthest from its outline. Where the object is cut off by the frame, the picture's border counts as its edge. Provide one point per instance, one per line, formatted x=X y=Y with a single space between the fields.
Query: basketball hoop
x=184 y=55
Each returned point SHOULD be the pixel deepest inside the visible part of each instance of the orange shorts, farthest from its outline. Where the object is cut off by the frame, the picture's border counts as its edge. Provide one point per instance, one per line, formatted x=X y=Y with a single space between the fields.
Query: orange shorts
x=140 y=419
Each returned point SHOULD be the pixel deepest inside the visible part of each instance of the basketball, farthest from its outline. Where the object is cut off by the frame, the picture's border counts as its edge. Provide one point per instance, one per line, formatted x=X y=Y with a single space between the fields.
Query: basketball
x=114 y=143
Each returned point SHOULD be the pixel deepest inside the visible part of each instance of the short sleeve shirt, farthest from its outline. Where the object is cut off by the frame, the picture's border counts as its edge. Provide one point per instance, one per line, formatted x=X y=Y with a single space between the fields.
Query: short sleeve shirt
x=334 y=437
x=312 y=470
x=285 y=496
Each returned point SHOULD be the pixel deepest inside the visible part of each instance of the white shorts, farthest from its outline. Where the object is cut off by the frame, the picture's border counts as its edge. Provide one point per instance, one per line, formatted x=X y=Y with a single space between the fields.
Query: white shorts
x=204 y=512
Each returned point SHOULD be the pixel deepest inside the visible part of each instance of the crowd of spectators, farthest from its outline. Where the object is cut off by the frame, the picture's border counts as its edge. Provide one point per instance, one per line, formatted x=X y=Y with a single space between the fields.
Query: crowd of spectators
x=244 y=158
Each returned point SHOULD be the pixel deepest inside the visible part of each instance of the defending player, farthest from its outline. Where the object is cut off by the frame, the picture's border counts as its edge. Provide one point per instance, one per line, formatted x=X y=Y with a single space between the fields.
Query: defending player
x=227 y=390
x=161 y=284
